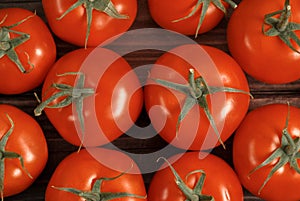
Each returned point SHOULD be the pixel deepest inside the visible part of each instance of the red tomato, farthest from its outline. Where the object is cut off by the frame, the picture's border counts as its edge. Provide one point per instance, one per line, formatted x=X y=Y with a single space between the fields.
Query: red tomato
x=28 y=141
x=81 y=170
x=195 y=131
x=34 y=56
x=267 y=59
x=257 y=138
x=220 y=182
x=73 y=26
x=165 y=12
x=117 y=101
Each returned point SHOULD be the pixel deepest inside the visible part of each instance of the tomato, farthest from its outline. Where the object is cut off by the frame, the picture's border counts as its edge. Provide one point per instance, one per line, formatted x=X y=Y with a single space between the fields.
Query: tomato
x=27 y=50
x=25 y=139
x=108 y=19
x=80 y=171
x=196 y=131
x=259 y=136
x=112 y=101
x=169 y=14
x=265 y=58
x=220 y=180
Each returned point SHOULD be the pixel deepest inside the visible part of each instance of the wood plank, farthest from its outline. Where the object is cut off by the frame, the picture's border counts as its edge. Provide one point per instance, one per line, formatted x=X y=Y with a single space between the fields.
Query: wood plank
x=29 y=5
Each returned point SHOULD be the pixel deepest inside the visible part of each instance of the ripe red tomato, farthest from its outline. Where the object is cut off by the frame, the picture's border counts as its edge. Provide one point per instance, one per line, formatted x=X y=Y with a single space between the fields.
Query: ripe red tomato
x=26 y=140
x=117 y=96
x=72 y=27
x=165 y=12
x=27 y=50
x=267 y=59
x=80 y=171
x=259 y=135
x=220 y=182
x=195 y=130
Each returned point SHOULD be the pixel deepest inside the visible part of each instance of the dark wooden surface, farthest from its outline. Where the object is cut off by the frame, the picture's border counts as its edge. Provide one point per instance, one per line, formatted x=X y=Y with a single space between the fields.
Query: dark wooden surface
x=58 y=148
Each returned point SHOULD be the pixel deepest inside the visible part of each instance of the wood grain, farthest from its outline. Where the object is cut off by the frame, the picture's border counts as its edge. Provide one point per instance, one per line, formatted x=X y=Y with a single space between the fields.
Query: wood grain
x=58 y=148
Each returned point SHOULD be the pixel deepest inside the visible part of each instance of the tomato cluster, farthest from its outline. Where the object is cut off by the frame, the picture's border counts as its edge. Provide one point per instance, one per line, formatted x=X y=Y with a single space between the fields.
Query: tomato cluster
x=196 y=97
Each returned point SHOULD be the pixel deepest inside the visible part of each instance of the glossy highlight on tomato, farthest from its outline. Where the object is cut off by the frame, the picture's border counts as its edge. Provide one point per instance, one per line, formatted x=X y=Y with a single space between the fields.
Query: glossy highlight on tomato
x=220 y=182
x=36 y=54
x=167 y=14
x=27 y=140
x=195 y=131
x=114 y=103
x=80 y=170
x=72 y=27
x=265 y=58
x=257 y=138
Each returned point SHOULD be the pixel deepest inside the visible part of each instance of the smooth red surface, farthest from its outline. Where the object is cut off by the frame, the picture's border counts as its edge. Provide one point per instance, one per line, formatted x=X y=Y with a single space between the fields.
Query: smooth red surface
x=110 y=112
x=72 y=28
x=27 y=140
x=228 y=109
x=256 y=139
x=267 y=59
x=80 y=170
x=221 y=181
x=40 y=48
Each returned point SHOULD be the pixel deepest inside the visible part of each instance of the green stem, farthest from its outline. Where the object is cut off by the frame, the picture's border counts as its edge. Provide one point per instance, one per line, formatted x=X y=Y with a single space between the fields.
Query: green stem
x=196 y=93
x=288 y=152
x=205 y=4
x=8 y=155
x=96 y=194
x=105 y=6
x=284 y=18
x=190 y=194
x=70 y=95
x=282 y=27
x=5 y=45
x=8 y=45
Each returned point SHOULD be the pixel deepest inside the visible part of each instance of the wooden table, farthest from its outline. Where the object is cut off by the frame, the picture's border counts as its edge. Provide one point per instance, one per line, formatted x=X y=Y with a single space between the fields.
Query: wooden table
x=58 y=148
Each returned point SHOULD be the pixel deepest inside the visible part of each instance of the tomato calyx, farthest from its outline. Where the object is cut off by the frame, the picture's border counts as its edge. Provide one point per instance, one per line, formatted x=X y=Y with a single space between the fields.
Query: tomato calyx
x=205 y=5
x=282 y=27
x=196 y=92
x=190 y=194
x=105 y=6
x=96 y=194
x=8 y=45
x=69 y=94
x=288 y=152
x=8 y=155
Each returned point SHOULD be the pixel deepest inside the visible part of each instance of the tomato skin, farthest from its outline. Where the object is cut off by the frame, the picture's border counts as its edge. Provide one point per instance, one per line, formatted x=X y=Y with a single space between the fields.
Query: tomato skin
x=40 y=48
x=221 y=182
x=265 y=58
x=229 y=111
x=164 y=12
x=111 y=97
x=28 y=140
x=72 y=28
x=80 y=170
x=255 y=140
